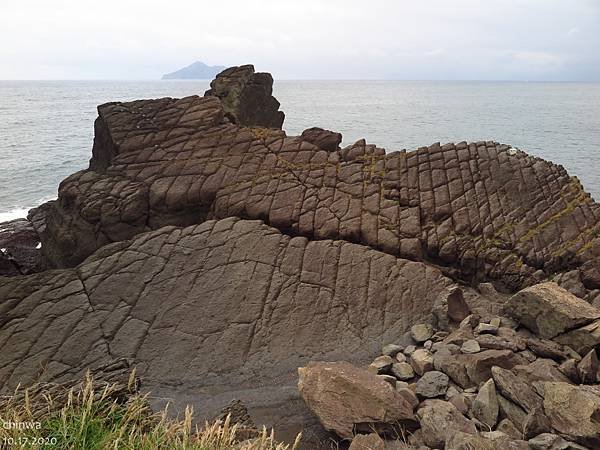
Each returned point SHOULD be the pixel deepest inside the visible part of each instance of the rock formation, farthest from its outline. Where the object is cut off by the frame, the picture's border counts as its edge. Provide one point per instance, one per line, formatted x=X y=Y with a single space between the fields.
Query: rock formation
x=216 y=254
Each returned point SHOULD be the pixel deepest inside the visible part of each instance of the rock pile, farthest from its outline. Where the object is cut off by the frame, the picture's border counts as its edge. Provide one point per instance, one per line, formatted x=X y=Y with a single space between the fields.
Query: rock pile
x=510 y=382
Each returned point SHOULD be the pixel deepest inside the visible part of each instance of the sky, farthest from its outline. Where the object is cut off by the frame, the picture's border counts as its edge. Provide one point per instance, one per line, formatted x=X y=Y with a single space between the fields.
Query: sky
x=550 y=40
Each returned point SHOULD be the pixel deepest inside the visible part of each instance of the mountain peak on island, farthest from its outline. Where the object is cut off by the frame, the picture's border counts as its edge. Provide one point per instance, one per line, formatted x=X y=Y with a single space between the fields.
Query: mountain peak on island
x=195 y=71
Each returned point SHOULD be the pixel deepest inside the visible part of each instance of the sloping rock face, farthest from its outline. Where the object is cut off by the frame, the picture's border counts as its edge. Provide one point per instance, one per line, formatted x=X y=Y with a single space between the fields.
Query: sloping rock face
x=479 y=210
x=227 y=309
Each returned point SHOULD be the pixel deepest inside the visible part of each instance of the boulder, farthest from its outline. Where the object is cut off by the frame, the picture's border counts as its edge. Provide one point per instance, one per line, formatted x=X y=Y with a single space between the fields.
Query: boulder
x=514 y=413
x=403 y=371
x=582 y=339
x=469 y=370
x=391 y=350
x=536 y=423
x=421 y=361
x=20 y=245
x=549 y=310
x=540 y=370
x=485 y=406
x=346 y=398
x=550 y=441
x=440 y=420
x=370 y=441
x=468 y=441
x=470 y=346
x=588 y=368
x=432 y=384
x=573 y=411
x=509 y=428
x=516 y=389
x=421 y=332
x=246 y=97
x=325 y=139
x=381 y=365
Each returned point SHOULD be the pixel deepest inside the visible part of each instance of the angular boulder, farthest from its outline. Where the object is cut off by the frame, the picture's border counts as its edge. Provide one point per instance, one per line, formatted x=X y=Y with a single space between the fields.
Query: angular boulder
x=549 y=310
x=346 y=398
x=440 y=420
x=574 y=411
x=246 y=97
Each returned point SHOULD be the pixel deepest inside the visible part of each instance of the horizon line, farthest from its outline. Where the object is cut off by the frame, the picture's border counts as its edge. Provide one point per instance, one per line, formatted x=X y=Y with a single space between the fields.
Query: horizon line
x=316 y=79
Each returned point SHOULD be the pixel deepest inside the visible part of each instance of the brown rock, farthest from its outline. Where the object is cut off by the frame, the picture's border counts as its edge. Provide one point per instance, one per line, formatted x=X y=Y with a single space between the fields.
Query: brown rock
x=573 y=411
x=540 y=370
x=515 y=389
x=485 y=406
x=367 y=442
x=549 y=310
x=512 y=412
x=467 y=441
x=536 y=423
x=569 y=368
x=547 y=349
x=246 y=97
x=458 y=309
x=325 y=139
x=582 y=339
x=440 y=420
x=509 y=428
x=588 y=368
x=343 y=397
x=421 y=361
x=381 y=365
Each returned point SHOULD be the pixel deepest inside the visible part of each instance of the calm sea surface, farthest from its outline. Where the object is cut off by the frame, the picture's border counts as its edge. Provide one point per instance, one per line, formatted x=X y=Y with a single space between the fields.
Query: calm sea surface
x=46 y=127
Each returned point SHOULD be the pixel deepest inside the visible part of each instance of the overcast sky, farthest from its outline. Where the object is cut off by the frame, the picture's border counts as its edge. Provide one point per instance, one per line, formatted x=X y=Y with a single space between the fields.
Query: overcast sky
x=341 y=39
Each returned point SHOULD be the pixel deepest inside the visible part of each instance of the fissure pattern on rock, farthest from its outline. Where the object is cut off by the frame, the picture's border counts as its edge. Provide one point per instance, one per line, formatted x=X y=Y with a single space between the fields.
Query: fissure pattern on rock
x=480 y=209
x=177 y=300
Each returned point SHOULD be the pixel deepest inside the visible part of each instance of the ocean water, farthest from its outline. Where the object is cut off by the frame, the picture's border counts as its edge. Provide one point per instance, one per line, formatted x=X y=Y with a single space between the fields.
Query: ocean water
x=46 y=127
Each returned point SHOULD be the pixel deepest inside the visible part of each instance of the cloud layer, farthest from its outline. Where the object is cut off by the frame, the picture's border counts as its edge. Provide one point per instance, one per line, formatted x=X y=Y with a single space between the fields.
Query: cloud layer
x=340 y=39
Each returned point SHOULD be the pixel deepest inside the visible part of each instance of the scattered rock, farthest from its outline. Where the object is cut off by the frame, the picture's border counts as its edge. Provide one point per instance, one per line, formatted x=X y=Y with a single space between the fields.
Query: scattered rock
x=409 y=396
x=433 y=384
x=486 y=328
x=588 y=368
x=582 y=339
x=515 y=389
x=460 y=402
x=512 y=412
x=381 y=365
x=536 y=423
x=409 y=350
x=391 y=350
x=441 y=420
x=549 y=310
x=458 y=309
x=467 y=441
x=547 y=349
x=421 y=361
x=343 y=397
x=573 y=411
x=400 y=357
x=509 y=428
x=549 y=441
x=403 y=371
x=470 y=346
x=540 y=370
x=569 y=368
x=485 y=406
x=367 y=442
x=421 y=332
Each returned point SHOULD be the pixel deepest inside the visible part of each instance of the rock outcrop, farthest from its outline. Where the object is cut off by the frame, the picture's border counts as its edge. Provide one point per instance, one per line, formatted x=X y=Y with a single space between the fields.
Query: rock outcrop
x=216 y=254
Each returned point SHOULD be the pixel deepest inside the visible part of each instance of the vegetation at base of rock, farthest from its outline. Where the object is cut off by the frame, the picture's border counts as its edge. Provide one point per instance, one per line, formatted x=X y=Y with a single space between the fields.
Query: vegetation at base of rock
x=95 y=415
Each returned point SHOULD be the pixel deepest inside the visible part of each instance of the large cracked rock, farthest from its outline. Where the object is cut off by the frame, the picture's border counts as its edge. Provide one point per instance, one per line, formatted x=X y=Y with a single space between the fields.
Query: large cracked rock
x=481 y=211
x=208 y=313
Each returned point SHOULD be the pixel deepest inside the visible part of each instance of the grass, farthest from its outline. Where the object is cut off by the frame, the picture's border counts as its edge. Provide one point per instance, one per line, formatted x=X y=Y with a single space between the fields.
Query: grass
x=92 y=415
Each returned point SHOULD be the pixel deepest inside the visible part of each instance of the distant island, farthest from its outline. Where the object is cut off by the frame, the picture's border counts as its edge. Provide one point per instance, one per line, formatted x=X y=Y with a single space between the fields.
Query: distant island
x=195 y=71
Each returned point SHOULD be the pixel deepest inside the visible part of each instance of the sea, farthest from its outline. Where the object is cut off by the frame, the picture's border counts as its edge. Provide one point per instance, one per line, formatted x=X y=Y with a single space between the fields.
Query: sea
x=46 y=127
